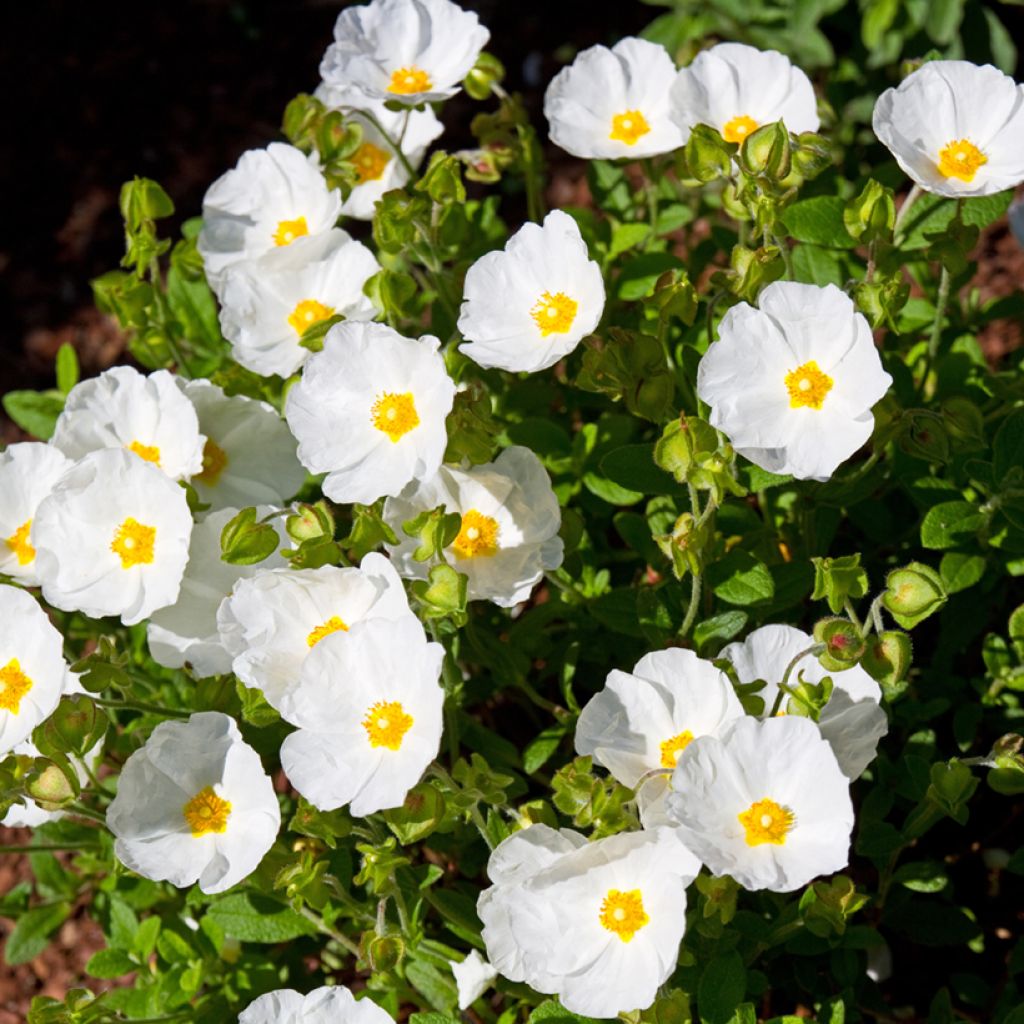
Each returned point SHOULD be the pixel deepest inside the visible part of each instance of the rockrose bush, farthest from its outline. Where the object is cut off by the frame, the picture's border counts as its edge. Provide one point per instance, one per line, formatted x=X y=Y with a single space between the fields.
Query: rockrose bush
x=542 y=614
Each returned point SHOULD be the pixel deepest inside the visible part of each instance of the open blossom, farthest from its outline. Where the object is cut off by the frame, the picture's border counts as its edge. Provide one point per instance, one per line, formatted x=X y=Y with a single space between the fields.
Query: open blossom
x=955 y=128
x=271 y=198
x=112 y=538
x=268 y=303
x=367 y=743
x=28 y=472
x=852 y=721
x=510 y=522
x=193 y=805
x=764 y=802
x=614 y=104
x=736 y=89
x=370 y=411
x=598 y=924
x=327 y=1005
x=792 y=383
x=528 y=305
x=144 y=414
x=411 y=51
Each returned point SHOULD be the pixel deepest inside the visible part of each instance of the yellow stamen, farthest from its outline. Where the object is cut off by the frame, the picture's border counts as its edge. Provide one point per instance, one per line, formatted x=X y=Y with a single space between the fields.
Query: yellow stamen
x=961 y=159
x=369 y=161
x=206 y=812
x=738 y=128
x=307 y=313
x=629 y=127
x=395 y=415
x=214 y=461
x=807 y=386
x=133 y=543
x=554 y=314
x=765 y=821
x=334 y=624
x=288 y=230
x=623 y=913
x=672 y=748
x=14 y=684
x=478 y=535
x=386 y=723
x=149 y=452
x=409 y=80
x=19 y=544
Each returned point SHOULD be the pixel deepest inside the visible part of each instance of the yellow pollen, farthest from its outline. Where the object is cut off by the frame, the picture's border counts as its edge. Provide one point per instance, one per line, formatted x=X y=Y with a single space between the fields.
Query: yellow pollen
x=149 y=452
x=369 y=161
x=478 y=535
x=765 y=821
x=288 y=230
x=395 y=415
x=386 y=723
x=623 y=913
x=738 y=128
x=14 y=684
x=19 y=544
x=671 y=749
x=554 y=314
x=629 y=127
x=133 y=543
x=961 y=159
x=334 y=624
x=206 y=812
x=807 y=386
x=409 y=80
x=307 y=313
x=214 y=461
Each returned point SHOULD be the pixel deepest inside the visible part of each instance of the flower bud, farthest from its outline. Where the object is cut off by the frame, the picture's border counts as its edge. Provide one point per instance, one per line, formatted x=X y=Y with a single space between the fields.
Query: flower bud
x=767 y=151
x=708 y=155
x=887 y=659
x=487 y=72
x=811 y=155
x=309 y=522
x=143 y=200
x=301 y=117
x=843 y=643
x=76 y=726
x=384 y=952
x=52 y=787
x=443 y=180
x=913 y=593
x=871 y=215
x=685 y=545
x=924 y=436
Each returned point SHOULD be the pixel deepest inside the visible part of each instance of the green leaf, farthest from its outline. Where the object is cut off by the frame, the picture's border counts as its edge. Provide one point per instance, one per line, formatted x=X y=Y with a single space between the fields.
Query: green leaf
x=950 y=523
x=931 y=215
x=243 y=541
x=720 y=627
x=1008 y=447
x=721 y=988
x=813 y=264
x=633 y=467
x=251 y=917
x=35 y=412
x=627 y=236
x=553 y=1012
x=67 y=367
x=960 y=571
x=819 y=220
x=540 y=749
x=32 y=931
x=741 y=579
x=110 y=963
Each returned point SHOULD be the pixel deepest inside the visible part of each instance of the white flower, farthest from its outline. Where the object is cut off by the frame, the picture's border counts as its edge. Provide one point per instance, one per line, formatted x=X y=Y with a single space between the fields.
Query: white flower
x=28 y=472
x=378 y=170
x=614 y=104
x=194 y=804
x=955 y=128
x=112 y=538
x=144 y=414
x=528 y=305
x=186 y=631
x=370 y=411
x=267 y=304
x=327 y=1005
x=272 y=621
x=792 y=384
x=473 y=975
x=270 y=198
x=736 y=89
x=765 y=802
x=367 y=743
x=510 y=521
x=642 y=721
x=852 y=721
x=599 y=924
x=32 y=667
x=412 y=51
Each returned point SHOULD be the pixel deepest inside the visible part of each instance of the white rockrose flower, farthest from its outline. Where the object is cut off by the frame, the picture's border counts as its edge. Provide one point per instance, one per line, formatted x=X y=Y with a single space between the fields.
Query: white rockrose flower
x=597 y=924
x=955 y=128
x=510 y=522
x=614 y=104
x=370 y=411
x=271 y=198
x=145 y=414
x=765 y=802
x=33 y=673
x=736 y=89
x=852 y=721
x=367 y=743
x=28 y=472
x=272 y=620
x=643 y=720
x=327 y=1005
x=267 y=304
x=193 y=805
x=112 y=538
x=412 y=51
x=792 y=383
x=473 y=976
x=186 y=633
x=529 y=304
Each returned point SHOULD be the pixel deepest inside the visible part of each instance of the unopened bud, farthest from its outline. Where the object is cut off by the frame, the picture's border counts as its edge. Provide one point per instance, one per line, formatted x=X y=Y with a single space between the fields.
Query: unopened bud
x=843 y=644
x=913 y=592
x=887 y=658
x=767 y=151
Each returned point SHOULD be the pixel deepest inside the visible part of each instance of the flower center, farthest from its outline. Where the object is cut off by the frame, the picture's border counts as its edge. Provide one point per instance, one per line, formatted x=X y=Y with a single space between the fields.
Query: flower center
x=409 y=80
x=14 y=684
x=133 y=543
x=206 y=812
x=671 y=749
x=961 y=159
x=395 y=415
x=19 y=544
x=554 y=314
x=149 y=452
x=765 y=821
x=807 y=386
x=628 y=127
x=214 y=461
x=386 y=724
x=623 y=913
x=307 y=313
x=738 y=128
x=369 y=161
x=334 y=624
x=478 y=535
x=288 y=230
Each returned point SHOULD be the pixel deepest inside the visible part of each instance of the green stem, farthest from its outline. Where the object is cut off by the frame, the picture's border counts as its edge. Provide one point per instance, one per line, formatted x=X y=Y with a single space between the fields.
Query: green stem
x=691 y=608
x=848 y=608
x=787 y=258
x=940 y=314
x=141 y=705
x=402 y=159
x=87 y=812
x=813 y=649
x=323 y=926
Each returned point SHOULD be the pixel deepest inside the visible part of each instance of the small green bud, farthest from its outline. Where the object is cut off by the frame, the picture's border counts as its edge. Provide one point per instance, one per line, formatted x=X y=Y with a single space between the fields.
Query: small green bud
x=811 y=155
x=882 y=299
x=923 y=435
x=143 y=200
x=752 y=269
x=76 y=726
x=838 y=580
x=675 y=296
x=682 y=442
x=383 y=952
x=913 y=593
x=487 y=72
x=843 y=644
x=443 y=180
x=336 y=138
x=870 y=216
x=52 y=787
x=310 y=521
x=708 y=156
x=767 y=152
x=685 y=545
x=887 y=659
x=443 y=593
x=301 y=117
